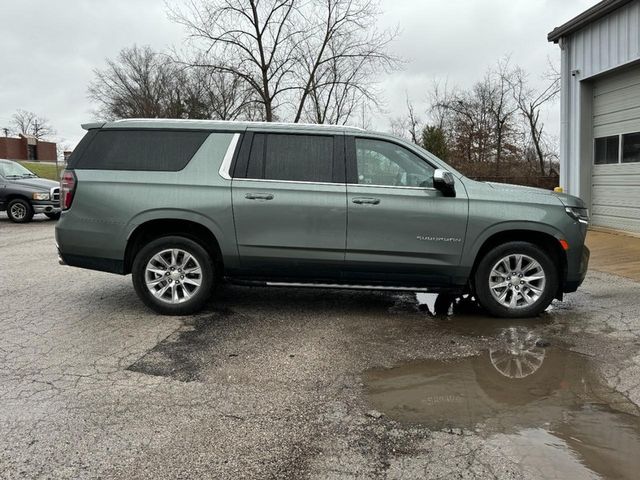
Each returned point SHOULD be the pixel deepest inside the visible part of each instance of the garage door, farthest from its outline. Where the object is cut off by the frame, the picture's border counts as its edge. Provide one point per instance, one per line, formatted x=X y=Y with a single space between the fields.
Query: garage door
x=615 y=195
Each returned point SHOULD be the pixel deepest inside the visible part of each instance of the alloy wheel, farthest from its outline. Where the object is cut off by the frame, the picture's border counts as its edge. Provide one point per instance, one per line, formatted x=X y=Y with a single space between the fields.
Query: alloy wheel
x=173 y=275
x=517 y=281
x=18 y=211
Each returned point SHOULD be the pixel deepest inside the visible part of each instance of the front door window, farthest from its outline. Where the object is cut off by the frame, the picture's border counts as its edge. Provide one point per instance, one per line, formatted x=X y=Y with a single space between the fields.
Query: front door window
x=388 y=164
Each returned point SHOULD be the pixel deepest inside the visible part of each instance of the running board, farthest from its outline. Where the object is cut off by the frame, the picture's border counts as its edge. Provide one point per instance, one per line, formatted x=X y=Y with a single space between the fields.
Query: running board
x=347 y=287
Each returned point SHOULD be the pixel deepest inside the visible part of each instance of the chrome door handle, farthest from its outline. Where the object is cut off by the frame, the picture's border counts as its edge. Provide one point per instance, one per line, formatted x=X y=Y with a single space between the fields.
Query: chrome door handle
x=366 y=200
x=259 y=196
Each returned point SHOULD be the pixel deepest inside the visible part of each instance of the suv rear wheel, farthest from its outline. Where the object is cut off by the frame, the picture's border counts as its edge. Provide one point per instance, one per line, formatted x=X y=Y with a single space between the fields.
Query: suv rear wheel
x=173 y=275
x=516 y=279
x=19 y=211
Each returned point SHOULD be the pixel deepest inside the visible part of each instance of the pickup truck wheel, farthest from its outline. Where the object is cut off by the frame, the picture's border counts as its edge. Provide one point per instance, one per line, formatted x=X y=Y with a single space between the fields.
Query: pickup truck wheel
x=19 y=211
x=515 y=280
x=53 y=216
x=173 y=275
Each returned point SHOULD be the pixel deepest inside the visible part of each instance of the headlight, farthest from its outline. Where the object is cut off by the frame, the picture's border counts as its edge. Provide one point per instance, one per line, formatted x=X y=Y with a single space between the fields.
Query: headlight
x=40 y=196
x=579 y=214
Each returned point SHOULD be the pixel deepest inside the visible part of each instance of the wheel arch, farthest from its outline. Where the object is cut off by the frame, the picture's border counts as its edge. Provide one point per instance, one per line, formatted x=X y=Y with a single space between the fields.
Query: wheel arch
x=163 y=227
x=547 y=241
x=12 y=196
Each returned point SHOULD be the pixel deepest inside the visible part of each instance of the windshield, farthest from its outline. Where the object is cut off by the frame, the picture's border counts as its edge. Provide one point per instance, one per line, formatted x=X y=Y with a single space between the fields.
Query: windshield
x=15 y=170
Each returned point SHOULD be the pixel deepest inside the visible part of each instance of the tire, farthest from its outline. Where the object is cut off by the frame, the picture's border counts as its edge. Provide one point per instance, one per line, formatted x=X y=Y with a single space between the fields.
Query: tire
x=533 y=286
x=53 y=216
x=174 y=295
x=19 y=211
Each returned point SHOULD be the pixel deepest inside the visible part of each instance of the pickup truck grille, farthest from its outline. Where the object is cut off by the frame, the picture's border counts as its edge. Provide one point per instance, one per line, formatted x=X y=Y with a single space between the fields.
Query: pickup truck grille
x=55 y=194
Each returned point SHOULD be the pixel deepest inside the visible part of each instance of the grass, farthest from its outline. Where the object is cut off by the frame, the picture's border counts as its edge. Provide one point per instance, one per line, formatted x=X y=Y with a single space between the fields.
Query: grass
x=44 y=170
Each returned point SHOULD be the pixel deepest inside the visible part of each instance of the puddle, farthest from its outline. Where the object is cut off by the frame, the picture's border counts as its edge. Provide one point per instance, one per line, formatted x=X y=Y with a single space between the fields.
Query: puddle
x=546 y=406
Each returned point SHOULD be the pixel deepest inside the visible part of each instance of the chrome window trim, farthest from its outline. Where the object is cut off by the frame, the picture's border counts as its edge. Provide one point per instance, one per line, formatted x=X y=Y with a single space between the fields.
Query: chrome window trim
x=389 y=186
x=304 y=182
x=228 y=157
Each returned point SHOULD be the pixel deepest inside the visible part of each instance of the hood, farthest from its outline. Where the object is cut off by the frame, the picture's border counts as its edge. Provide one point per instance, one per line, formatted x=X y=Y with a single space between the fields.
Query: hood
x=36 y=183
x=509 y=189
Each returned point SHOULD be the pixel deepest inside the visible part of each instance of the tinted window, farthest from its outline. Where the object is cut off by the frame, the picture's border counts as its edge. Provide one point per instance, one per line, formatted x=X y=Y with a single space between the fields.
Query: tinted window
x=606 y=150
x=631 y=147
x=304 y=158
x=385 y=163
x=168 y=150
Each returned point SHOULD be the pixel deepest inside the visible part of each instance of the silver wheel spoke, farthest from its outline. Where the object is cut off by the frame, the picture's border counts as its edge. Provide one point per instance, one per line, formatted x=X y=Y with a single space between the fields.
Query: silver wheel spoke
x=518 y=263
x=151 y=283
x=185 y=260
x=192 y=281
x=162 y=291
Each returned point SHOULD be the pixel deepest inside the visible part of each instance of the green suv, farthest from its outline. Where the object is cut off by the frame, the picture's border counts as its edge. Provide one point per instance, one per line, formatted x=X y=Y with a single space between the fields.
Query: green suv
x=183 y=205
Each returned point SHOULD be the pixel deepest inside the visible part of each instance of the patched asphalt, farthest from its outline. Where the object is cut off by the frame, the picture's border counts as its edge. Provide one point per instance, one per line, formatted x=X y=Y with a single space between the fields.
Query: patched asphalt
x=266 y=383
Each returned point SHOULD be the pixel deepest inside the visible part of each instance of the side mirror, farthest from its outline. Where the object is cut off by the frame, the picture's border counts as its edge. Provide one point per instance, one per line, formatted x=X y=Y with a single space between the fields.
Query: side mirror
x=443 y=180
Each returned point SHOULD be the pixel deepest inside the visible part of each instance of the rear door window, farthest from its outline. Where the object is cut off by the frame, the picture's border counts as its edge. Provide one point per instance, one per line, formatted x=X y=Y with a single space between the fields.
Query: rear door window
x=303 y=158
x=149 y=150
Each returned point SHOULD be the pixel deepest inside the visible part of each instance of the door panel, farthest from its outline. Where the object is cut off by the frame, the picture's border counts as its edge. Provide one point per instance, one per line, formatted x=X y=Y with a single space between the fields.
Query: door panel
x=290 y=229
x=408 y=235
x=405 y=231
x=290 y=206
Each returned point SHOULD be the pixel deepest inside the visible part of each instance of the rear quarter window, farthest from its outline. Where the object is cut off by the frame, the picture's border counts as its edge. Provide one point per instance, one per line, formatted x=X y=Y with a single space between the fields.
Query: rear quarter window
x=149 y=150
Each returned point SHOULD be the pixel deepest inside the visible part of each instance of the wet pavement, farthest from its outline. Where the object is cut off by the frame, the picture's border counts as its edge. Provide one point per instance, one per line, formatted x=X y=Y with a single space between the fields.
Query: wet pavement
x=270 y=383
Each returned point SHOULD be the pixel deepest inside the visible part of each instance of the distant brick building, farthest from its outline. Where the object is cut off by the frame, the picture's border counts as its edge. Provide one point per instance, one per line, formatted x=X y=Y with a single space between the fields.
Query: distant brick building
x=27 y=147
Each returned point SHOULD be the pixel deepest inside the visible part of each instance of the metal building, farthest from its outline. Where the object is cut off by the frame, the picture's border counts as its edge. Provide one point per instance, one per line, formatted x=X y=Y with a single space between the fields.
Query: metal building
x=600 y=111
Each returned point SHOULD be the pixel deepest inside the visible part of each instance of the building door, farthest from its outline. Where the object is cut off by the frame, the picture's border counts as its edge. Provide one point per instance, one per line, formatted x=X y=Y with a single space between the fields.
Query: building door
x=615 y=194
x=32 y=153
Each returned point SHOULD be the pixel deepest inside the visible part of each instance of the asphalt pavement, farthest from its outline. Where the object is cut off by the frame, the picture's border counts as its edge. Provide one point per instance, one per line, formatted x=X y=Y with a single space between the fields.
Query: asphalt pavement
x=297 y=383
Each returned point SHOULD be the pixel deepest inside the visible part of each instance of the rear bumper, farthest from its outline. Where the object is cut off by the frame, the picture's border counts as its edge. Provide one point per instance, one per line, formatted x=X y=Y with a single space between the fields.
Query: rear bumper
x=91 y=263
x=577 y=270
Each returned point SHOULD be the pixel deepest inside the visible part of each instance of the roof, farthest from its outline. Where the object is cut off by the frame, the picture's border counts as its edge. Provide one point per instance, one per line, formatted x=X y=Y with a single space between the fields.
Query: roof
x=596 y=12
x=217 y=125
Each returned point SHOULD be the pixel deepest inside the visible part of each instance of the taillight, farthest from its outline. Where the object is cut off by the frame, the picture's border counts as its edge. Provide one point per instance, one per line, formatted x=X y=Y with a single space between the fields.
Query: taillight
x=68 y=184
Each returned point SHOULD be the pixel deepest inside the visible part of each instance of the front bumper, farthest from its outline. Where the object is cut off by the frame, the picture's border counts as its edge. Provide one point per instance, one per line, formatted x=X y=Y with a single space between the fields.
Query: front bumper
x=40 y=208
x=575 y=275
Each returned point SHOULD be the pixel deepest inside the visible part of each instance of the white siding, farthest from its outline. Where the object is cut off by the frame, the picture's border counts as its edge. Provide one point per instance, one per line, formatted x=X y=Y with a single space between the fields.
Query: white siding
x=608 y=43
x=601 y=95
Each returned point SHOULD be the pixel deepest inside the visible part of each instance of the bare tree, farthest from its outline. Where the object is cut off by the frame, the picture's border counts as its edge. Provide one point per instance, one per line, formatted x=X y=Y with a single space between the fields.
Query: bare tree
x=501 y=106
x=28 y=123
x=249 y=39
x=340 y=59
x=311 y=60
x=410 y=125
x=530 y=102
x=135 y=84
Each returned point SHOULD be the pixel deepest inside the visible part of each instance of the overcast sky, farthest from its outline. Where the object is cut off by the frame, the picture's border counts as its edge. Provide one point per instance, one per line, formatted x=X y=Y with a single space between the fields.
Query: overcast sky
x=48 y=49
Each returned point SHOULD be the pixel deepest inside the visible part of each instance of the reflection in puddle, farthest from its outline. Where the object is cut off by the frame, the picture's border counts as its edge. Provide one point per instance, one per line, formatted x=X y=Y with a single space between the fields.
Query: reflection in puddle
x=546 y=406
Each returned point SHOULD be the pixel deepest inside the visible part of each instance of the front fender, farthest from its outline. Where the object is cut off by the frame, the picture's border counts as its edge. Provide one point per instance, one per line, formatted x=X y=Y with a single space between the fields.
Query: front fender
x=472 y=248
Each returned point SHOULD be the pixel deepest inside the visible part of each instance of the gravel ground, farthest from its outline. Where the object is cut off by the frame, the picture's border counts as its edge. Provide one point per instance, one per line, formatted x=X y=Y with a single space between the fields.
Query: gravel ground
x=267 y=383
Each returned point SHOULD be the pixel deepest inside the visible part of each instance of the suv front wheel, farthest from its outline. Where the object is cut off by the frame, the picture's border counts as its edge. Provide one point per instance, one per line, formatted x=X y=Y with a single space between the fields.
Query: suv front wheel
x=516 y=279
x=173 y=275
